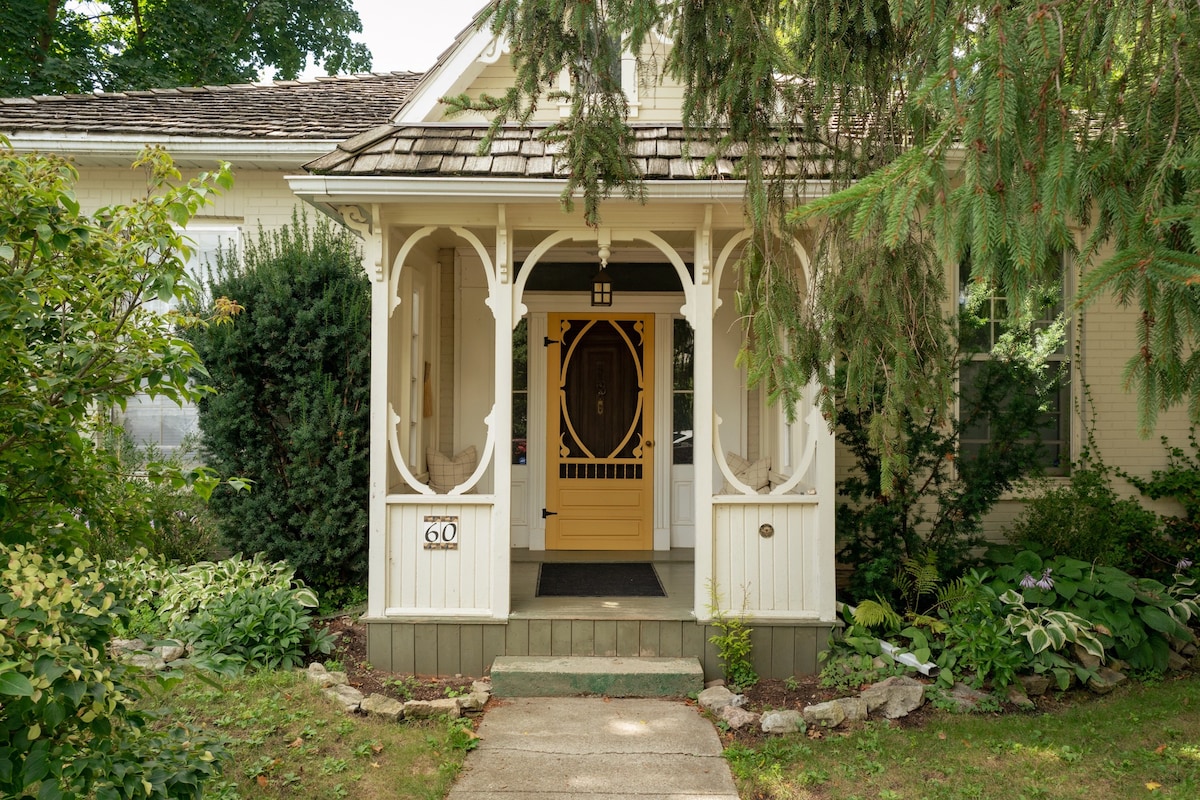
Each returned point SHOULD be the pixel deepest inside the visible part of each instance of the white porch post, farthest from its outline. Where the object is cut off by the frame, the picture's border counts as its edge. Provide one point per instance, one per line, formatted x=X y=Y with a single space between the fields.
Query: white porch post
x=368 y=226
x=702 y=414
x=501 y=302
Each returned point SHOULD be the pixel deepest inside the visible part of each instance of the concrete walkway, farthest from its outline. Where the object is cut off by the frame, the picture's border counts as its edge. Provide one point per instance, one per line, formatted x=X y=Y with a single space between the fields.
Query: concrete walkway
x=595 y=748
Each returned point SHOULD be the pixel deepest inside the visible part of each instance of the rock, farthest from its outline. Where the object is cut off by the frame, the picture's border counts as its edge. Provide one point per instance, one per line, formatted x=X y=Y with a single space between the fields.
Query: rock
x=145 y=661
x=854 y=707
x=738 y=718
x=1034 y=685
x=1176 y=662
x=425 y=709
x=118 y=646
x=475 y=701
x=783 y=722
x=829 y=714
x=965 y=698
x=897 y=696
x=738 y=701
x=715 y=699
x=714 y=683
x=1105 y=680
x=1196 y=661
x=317 y=673
x=349 y=697
x=1085 y=658
x=1016 y=695
x=1188 y=650
x=484 y=687
x=171 y=652
x=378 y=705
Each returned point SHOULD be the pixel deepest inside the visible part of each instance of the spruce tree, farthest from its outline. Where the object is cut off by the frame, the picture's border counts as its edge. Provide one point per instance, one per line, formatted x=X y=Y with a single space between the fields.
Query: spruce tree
x=290 y=412
x=940 y=127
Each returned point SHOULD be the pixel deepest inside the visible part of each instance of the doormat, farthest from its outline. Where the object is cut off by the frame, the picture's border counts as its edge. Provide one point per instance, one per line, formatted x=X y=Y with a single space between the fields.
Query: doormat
x=634 y=579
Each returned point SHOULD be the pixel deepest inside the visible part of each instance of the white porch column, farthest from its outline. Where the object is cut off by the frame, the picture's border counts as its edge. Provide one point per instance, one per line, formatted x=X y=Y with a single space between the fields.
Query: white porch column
x=702 y=419
x=501 y=303
x=366 y=224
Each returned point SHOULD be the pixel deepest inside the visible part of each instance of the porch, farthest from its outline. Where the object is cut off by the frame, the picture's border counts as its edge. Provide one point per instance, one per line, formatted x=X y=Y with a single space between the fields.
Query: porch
x=593 y=626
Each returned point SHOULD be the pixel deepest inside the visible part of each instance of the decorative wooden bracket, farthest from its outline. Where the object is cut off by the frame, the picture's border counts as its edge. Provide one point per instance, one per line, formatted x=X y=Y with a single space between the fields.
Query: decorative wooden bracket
x=365 y=222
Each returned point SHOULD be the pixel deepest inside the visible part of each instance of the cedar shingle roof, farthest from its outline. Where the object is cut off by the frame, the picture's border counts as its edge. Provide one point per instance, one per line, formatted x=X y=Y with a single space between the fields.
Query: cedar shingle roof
x=662 y=153
x=325 y=108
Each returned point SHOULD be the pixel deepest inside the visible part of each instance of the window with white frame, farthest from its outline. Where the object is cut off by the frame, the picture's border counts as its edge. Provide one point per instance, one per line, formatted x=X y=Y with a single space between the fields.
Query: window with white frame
x=157 y=421
x=1053 y=425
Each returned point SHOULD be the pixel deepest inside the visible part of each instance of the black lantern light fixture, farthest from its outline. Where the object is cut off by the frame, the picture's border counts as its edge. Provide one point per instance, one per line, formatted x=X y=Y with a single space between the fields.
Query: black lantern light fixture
x=602 y=289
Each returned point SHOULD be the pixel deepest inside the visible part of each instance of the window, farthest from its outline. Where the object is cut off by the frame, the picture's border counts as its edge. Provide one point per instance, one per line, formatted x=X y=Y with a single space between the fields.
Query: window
x=682 y=389
x=520 y=394
x=157 y=421
x=1052 y=432
x=618 y=66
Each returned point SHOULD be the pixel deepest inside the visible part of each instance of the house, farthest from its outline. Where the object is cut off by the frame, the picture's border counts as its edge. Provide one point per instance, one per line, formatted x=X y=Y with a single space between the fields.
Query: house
x=544 y=391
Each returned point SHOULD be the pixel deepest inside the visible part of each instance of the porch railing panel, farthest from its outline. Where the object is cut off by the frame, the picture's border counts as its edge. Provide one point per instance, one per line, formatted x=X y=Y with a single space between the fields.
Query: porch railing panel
x=766 y=558
x=439 y=559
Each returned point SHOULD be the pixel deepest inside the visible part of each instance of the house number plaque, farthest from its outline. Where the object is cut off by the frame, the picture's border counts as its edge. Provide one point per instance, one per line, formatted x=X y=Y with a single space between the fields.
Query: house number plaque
x=441 y=533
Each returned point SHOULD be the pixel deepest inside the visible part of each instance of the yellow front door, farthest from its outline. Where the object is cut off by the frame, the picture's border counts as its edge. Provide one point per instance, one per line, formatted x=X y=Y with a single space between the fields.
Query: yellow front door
x=600 y=481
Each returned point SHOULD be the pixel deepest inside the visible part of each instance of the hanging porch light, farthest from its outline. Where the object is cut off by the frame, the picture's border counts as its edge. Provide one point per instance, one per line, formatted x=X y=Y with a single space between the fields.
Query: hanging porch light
x=602 y=289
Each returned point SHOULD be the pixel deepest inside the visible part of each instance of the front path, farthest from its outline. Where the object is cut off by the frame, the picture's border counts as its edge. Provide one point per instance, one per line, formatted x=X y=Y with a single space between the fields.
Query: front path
x=594 y=748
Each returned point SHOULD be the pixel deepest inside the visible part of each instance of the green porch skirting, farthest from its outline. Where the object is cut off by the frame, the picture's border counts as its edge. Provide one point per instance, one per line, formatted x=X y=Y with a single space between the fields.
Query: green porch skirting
x=780 y=649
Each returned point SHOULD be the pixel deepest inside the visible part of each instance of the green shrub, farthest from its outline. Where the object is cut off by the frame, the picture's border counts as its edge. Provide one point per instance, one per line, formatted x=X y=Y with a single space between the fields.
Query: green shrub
x=237 y=612
x=1180 y=481
x=1133 y=618
x=68 y=725
x=292 y=375
x=937 y=499
x=1087 y=520
x=255 y=628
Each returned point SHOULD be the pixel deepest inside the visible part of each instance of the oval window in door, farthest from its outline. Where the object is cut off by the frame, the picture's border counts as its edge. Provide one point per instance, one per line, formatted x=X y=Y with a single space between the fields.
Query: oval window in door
x=602 y=390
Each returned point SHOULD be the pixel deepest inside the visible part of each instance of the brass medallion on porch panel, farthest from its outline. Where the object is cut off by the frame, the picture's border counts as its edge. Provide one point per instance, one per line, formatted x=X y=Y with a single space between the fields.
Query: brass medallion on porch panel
x=600 y=477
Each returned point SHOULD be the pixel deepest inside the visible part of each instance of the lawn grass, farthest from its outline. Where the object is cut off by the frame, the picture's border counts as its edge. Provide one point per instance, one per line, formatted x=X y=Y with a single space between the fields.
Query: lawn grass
x=1141 y=741
x=288 y=741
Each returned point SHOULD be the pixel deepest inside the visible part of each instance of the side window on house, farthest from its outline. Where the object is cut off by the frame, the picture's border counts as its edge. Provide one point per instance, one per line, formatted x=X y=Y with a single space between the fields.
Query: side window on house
x=157 y=421
x=682 y=387
x=520 y=395
x=1053 y=418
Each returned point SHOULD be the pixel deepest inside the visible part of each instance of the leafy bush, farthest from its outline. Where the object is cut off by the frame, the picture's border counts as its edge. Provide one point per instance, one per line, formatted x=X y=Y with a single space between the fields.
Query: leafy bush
x=1134 y=618
x=937 y=500
x=75 y=336
x=1088 y=521
x=291 y=408
x=173 y=520
x=257 y=628
x=68 y=725
x=236 y=612
x=1180 y=481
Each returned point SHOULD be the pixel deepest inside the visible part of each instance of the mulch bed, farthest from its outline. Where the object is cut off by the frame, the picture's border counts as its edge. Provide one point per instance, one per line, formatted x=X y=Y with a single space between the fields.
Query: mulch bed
x=351 y=651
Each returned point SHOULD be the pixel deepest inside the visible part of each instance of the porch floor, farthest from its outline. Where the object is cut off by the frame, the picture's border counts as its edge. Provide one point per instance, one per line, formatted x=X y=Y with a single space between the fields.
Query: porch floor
x=676 y=569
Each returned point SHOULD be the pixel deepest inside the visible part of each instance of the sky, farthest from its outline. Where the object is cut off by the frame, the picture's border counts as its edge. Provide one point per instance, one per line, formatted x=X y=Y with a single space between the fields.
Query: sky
x=411 y=34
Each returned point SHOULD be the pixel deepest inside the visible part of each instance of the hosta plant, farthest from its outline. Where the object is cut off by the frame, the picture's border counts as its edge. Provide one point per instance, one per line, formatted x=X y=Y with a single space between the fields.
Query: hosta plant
x=1133 y=618
x=1045 y=632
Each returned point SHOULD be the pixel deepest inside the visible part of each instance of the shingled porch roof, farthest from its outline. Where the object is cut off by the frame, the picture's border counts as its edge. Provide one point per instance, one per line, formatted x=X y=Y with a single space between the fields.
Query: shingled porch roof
x=662 y=152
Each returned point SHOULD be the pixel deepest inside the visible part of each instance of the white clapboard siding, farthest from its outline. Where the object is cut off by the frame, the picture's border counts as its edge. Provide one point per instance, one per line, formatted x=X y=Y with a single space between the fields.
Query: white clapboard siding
x=439 y=583
x=775 y=576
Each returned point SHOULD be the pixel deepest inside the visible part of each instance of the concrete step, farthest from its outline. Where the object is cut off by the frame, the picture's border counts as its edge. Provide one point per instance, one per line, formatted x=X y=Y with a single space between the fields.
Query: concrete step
x=569 y=676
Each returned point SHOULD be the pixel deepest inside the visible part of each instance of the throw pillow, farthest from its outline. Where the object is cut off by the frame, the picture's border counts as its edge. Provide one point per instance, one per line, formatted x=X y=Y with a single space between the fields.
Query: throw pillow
x=445 y=473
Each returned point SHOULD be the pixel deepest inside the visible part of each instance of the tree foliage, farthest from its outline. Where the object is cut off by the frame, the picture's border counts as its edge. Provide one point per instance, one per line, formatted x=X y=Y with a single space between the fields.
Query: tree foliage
x=54 y=47
x=292 y=375
x=1012 y=131
x=76 y=338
